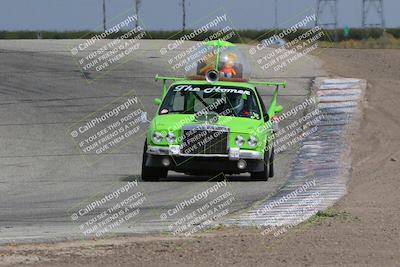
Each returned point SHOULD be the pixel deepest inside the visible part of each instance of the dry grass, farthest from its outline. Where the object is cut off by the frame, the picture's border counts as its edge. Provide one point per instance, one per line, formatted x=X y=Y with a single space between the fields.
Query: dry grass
x=386 y=41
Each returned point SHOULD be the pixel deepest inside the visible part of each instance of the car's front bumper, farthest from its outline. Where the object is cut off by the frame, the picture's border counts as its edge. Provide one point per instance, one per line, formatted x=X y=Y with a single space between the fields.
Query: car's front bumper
x=204 y=163
x=234 y=153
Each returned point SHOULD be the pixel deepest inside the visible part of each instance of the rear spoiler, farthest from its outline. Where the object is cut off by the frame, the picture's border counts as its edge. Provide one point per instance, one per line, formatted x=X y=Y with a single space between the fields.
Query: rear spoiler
x=164 y=79
x=274 y=103
x=277 y=84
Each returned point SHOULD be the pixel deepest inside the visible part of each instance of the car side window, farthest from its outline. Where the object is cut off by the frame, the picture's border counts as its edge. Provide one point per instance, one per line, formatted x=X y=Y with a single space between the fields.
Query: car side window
x=263 y=108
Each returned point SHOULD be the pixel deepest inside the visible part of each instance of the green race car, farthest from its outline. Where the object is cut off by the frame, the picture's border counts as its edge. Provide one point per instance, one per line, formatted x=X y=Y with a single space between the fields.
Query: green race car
x=212 y=122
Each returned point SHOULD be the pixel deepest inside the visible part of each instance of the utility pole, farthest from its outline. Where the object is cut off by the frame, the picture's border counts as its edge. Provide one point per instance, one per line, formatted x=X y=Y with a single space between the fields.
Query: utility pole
x=137 y=6
x=276 y=15
x=104 y=16
x=366 y=8
x=327 y=15
x=183 y=15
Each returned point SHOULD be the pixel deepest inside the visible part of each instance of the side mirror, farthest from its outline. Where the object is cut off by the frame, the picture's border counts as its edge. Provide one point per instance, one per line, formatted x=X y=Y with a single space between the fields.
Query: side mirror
x=143 y=117
x=157 y=101
x=266 y=117
x=278 y=109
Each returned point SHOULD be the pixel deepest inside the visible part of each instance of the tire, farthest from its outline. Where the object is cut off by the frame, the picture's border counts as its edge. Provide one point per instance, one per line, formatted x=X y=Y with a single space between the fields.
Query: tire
x=271 y=163
x=149 y=173
x=263 y=175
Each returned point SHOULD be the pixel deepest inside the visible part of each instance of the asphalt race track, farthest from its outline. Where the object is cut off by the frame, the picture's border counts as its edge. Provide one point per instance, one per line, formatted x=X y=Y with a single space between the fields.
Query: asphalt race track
x=43 y=176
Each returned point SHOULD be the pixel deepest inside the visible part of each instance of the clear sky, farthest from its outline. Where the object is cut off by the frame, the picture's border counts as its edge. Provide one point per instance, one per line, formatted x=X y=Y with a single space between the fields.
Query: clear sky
x=167 y=14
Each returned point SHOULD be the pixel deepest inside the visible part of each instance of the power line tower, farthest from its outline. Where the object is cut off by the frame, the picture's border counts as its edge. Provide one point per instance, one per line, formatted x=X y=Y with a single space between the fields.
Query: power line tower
x=369 y=6
x=327 y=15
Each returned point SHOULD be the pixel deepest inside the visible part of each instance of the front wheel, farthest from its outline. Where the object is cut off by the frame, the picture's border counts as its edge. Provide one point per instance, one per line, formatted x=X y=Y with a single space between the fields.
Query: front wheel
x=271 y=163
x=263 y=175
x=151 y=173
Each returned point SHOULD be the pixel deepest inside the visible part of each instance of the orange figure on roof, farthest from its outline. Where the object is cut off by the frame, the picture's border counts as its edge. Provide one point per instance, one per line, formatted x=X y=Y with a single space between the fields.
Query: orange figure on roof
x=228 y=69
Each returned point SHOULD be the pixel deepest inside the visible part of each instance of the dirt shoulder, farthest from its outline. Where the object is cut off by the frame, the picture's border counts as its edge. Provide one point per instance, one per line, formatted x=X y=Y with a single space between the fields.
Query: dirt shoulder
x=365 y=230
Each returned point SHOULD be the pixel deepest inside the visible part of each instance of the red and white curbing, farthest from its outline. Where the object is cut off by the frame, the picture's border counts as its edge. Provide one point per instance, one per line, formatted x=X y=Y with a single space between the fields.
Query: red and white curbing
x=321 y=168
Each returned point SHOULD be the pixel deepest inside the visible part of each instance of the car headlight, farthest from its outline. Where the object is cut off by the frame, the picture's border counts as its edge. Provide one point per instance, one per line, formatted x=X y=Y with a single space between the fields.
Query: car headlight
x=157 y=137
x=239 y=140
x=252 y=141
x=171 y=137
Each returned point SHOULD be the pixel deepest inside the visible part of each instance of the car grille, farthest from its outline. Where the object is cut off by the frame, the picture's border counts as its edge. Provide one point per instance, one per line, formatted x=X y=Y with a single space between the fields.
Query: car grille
x=204 y=139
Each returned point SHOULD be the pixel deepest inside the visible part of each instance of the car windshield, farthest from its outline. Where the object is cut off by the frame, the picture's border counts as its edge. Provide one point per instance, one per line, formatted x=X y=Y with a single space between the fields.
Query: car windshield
x=223 y=100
